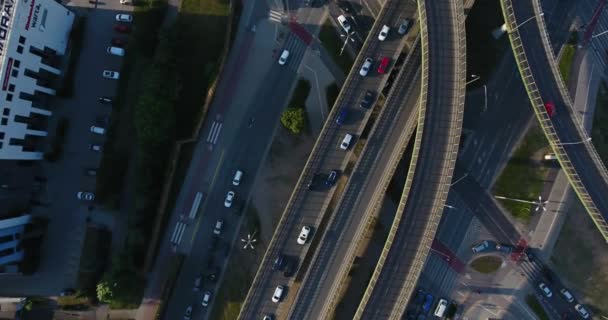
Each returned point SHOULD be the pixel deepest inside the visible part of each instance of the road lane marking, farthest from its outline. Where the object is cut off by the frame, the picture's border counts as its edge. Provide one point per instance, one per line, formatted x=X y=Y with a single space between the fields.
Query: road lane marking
x=211 y=185
x=275 y=15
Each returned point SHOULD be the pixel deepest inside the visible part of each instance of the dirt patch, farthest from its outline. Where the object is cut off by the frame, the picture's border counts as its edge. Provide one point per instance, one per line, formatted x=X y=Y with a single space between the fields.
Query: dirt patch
x=581 y=258
x=277 y=178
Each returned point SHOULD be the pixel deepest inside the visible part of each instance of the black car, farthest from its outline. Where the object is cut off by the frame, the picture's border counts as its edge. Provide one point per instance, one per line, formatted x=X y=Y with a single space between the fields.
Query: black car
x=346 y=6
x=279 y=261
x=104 y=100
x=331 y=178
x=291 y=266
x=314 y=183
x=368 y=99
x=213 y=274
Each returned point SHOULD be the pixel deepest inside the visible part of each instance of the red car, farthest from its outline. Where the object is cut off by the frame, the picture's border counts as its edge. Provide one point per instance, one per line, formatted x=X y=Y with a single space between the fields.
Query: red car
x=117 y=42
x=122 y=28
x=550 y=108
x=383 y=65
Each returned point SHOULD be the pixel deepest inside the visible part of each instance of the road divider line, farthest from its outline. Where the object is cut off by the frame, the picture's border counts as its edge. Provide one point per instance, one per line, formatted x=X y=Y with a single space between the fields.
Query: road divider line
x=211 y=187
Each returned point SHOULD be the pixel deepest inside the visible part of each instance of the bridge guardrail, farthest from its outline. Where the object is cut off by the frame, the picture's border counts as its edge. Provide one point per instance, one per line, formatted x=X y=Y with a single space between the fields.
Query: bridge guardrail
x=545 y=121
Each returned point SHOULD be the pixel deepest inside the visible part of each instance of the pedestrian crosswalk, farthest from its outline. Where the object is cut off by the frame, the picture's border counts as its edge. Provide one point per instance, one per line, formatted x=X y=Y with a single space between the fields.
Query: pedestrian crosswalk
x=214 y=133
x=275 y=15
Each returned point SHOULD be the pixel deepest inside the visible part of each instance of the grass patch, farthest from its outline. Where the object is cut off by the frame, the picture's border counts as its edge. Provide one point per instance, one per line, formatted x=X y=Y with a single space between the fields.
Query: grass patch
x=329 y=37
x=486 y=264
x=536 y=307
x=331 y=94
x=599 y=133
x=523 y=177
x=201 y=30
x=565 y=63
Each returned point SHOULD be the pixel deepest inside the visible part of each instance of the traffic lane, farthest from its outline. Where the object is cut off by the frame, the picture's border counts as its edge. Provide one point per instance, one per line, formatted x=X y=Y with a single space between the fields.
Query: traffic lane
x=244 y=153
x=342 y=227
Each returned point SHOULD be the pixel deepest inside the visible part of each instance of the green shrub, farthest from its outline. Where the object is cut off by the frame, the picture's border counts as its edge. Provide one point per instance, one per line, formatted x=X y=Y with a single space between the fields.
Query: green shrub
x=294 y=119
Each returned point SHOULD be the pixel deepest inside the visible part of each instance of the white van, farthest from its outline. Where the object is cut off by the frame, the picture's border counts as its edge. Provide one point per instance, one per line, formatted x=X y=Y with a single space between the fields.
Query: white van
x=344 y=23
x=238 y=175
x=441 y=307
x=116 y=51
x=346 y=141
x=278 y=294
x=550 y=156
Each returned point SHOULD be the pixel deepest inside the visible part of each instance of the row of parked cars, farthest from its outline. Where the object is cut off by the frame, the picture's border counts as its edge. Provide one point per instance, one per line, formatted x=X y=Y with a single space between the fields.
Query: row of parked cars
x=99 y=128
x=566 y=295
x=423 y=303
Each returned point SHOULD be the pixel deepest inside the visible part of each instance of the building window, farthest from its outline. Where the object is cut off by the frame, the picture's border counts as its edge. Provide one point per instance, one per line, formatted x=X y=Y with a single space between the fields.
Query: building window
x=6 y=112
x=15 y=73
x=4 y=121
x=22 y=39
x=20 y=49
x=9 y=97
x=11 y=87
x=16 y=64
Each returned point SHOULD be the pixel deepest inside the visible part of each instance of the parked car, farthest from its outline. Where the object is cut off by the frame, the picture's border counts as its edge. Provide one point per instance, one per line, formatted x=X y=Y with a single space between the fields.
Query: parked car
x=504 y=248
x=314 y=182
x=115 y=51
x=368 y=99
x=86 y=196
x=110 y=74
x=346 y=141
x=229 y=199
x=238 y=176
x=581 y=311
x=214 y=272
x=219 y=225
x=304 y=235
x=95 y=147
x=188 y=313
x=419 y=297
x=404 y=27
x=481 y=247
x=268 y=317
x=98 y=130
x=550 y=108
x=365 y=67
x=198 y=283
x=123 y=17
x=342 y=116
x=567 y=295
x=546 y=291
x=118 y=42
x=90 y=172
x=122 y=28
x=105 y=100
x=206 y=299
x=428 y=302
x=291 y=266
x=383 y=33
x=331 y=178
x=382 y=68
x=283 y=57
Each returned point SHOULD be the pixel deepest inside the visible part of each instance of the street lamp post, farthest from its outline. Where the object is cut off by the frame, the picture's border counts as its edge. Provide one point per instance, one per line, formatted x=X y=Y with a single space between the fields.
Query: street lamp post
x=578 y=142
x=346 y=37
x=485 y=98
x=459 y=179
x=526 y=21
x=475 y=78
x=540 y=204
x=599 y=34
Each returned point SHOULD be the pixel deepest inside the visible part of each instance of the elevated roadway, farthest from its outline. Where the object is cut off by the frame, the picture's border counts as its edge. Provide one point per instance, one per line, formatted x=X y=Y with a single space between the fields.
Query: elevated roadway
x=575 y=152
x=434 y=156
x=332 y=261
x=306 y=207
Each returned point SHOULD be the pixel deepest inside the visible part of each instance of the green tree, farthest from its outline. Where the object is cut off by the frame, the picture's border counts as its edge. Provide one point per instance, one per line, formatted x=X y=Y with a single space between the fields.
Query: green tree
x=105 y=291
x=294 y=119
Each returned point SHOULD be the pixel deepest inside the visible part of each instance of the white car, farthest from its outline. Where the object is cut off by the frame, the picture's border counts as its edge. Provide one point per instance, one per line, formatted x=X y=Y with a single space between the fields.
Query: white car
x=283 y=57
x=278 y=294
x=383 y=33
x=98 y=130
x=115 y=51
x=546 y=291
x=238 y=176
x=206 y=299
x=229 y=198
x=365 y=68
x=346 y=141
x=86 y=196
x=219 y=224
x=344 y=23
x=123 y=17
x=111 y=74
x=304 y=235
x=567 y=295
x=188 y=314
x=582 y=311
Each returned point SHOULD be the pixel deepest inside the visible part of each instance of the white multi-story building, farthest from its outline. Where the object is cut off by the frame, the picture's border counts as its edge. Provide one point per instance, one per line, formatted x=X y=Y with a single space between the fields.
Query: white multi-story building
x=33 y=41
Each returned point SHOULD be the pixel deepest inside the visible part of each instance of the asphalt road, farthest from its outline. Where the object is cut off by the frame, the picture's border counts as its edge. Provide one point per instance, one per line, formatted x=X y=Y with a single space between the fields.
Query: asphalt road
x=308 y=207
x=563 y=121
x=433 y=164
x=335 y=253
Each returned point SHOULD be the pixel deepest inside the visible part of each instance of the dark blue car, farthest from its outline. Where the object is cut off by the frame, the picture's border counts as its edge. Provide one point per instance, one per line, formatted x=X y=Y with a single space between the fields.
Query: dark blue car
x=428 y=302
x=342 y=116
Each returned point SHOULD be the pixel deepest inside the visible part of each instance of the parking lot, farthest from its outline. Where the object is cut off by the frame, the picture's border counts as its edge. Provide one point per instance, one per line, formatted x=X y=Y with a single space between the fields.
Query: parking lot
x=71 y=174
